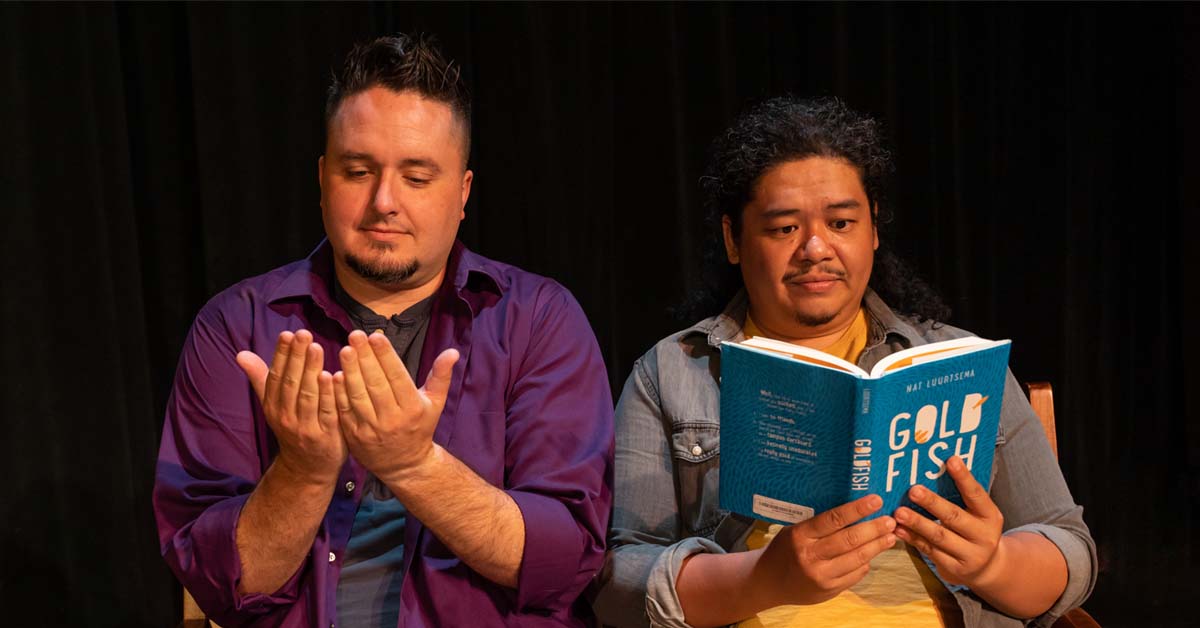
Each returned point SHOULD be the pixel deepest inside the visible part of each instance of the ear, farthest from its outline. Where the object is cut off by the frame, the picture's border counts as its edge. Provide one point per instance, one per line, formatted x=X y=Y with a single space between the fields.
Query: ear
x=468 y=177
x=321 y=170
x=875 y=226
x=731 y=249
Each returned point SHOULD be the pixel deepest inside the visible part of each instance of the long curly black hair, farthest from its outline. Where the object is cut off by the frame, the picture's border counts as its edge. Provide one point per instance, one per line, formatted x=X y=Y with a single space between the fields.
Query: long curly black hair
x=784 y=129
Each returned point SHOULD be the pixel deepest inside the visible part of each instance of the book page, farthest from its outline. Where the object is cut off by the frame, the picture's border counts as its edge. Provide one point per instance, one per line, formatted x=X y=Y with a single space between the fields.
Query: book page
x=804 y=354
x=931 y=352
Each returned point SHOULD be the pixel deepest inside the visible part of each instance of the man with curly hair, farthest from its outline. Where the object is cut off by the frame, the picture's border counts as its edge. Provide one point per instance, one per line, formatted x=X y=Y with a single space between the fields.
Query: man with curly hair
x=795 y=192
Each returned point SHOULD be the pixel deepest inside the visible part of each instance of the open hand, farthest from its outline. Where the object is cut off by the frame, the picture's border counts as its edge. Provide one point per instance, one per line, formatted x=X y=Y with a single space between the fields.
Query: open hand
x=297 y=398
x=387 y=421
x=966 y=544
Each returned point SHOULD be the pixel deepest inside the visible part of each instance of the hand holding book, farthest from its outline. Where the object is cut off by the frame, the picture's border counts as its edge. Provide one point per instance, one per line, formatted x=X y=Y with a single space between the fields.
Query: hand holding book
x=816 y=559
x=964 y=543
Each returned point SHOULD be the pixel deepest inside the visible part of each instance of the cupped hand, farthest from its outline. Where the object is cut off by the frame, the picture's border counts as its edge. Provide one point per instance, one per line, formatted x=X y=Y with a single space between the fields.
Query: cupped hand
x=297 y=399
x=387 y=421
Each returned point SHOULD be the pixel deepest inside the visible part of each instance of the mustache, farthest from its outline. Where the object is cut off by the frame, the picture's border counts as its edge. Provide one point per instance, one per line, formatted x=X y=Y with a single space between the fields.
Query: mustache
x=806 y=270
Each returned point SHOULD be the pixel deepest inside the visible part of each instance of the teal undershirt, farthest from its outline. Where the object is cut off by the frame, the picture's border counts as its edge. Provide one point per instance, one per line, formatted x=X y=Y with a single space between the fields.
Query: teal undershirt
x=368 y=591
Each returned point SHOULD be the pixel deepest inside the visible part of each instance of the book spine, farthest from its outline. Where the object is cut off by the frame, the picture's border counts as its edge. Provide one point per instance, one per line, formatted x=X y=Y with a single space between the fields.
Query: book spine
x=862 y=446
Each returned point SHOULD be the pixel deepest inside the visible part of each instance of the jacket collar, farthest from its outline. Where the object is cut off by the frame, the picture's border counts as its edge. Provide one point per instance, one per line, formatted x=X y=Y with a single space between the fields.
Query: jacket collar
x=882 y=323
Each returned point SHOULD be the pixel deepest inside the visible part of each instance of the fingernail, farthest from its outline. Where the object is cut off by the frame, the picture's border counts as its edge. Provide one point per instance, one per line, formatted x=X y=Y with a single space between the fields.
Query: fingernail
x=377 y=331
x=891 y=540
x=955 y=463
x=918 y=492
x=874 y=501
x=903 y=515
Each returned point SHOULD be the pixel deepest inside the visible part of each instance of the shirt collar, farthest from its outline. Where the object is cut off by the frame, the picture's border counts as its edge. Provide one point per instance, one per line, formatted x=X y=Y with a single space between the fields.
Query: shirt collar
x=476 y=280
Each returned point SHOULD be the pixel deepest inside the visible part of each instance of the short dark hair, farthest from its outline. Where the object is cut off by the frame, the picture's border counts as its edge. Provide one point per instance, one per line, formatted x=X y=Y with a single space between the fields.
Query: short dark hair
x=403 y=63
x=784 y=129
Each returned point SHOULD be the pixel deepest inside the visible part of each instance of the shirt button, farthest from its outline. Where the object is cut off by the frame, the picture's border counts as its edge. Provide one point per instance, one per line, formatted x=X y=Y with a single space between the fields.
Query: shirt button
x=332 y=557
x=350 y=486
x=697 y=449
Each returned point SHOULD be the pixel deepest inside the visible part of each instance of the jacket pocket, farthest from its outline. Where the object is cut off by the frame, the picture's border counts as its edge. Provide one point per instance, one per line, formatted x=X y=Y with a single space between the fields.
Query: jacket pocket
x=696 y=453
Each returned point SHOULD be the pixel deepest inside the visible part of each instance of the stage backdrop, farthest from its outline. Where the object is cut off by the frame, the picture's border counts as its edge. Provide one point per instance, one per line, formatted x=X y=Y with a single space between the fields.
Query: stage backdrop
x=153 y=155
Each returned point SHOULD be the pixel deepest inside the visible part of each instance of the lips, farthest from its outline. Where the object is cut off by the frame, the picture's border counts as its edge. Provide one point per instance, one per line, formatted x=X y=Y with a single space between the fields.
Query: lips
x=816 y=282
x=383 y=233
x=814 y=279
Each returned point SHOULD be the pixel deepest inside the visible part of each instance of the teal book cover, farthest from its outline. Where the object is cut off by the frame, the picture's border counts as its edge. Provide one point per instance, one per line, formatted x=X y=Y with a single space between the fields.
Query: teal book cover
x=803 y=432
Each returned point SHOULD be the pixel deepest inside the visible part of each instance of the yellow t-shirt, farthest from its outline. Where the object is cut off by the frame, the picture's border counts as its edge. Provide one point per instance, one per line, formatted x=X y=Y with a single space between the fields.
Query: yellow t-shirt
x=899 y=591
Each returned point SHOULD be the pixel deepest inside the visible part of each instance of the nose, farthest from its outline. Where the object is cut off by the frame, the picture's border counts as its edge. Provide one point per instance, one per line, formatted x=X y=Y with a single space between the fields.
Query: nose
x=815 y=249
x=384 y=200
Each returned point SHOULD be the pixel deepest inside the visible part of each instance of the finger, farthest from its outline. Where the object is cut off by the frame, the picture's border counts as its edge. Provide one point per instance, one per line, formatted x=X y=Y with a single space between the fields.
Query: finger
x=403 y=388
x=356 y=389
x=837 y=585
x=861 y=556
x=289 y=383
x=437 y=383
x=835 y=519
x=936 y=536
x=943 y=559
x=327 y=413
x=377 y=386
x=851 y=538
x=256 y=371
x=283 y=349
x=974 y=496
x=948 y=514
x=341 y=399
x=309 y=395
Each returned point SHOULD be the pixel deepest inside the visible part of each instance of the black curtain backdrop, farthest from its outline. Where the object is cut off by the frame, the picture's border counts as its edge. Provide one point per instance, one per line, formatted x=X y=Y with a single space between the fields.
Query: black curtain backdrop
x=152 y=155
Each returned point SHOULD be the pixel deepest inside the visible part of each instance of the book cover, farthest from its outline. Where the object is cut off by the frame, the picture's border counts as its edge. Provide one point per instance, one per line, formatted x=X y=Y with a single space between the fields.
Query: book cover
x=803 y=432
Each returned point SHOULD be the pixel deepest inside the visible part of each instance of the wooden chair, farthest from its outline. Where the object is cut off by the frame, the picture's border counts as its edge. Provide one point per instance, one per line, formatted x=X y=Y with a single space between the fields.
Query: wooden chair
x=1041 y=397
x=193 y=617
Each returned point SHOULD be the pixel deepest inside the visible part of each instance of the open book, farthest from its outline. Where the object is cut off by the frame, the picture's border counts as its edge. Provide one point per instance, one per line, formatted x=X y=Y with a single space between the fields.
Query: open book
x=803 y=431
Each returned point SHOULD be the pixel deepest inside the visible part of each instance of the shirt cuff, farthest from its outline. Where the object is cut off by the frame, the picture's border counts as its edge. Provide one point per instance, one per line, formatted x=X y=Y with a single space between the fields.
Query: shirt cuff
x=555 y=556
x=217 y=570
x=662 y=601
x=1080 y=570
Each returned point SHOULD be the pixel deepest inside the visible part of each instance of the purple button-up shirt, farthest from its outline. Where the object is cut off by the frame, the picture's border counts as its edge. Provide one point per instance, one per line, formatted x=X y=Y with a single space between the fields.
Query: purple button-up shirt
x=529 y=410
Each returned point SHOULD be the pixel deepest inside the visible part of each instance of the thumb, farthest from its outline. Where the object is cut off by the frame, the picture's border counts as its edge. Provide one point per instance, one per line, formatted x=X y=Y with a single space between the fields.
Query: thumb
x=437 y=383
x=256 y=371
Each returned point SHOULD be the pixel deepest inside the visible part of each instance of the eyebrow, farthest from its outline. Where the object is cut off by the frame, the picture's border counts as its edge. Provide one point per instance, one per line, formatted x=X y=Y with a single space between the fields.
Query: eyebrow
x=787 y=211
x=846 y=204
x=415 y=162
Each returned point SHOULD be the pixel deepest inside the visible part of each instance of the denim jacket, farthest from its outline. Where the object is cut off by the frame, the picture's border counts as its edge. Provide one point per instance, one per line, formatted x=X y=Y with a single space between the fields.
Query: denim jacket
x=668 y=458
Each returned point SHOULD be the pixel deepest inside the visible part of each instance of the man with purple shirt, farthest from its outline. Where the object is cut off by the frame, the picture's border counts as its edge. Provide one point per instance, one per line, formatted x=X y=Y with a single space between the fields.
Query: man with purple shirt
x=305 y=480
